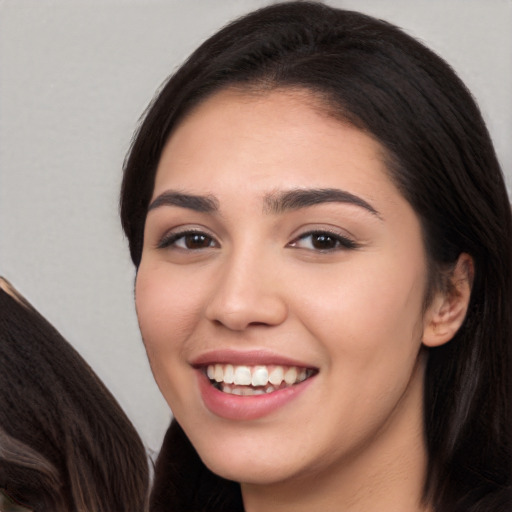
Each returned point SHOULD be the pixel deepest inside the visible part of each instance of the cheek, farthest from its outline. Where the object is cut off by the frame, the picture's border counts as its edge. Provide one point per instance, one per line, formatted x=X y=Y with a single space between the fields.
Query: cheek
x=369 y=320
x=167 y=317
x=166 y=314
x=370 y=327
x=366 y=299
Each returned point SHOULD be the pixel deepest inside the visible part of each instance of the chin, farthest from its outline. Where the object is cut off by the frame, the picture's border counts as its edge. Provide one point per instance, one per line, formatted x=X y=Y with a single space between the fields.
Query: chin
x=247 y=471
x=241 y=459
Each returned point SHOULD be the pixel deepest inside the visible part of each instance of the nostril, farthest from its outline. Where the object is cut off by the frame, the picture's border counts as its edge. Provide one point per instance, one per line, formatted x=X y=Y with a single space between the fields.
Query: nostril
x=266 y=311
x=242 y=299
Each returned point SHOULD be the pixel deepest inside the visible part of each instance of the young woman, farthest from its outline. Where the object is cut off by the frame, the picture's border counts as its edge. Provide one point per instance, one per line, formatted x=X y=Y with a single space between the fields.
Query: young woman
x=323 y=245
x=65 y=444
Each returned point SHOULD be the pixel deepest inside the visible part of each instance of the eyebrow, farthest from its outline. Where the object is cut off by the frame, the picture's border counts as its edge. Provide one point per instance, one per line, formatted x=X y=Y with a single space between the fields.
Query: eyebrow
x=204 y=204
x=302 y=198
x=274 y=203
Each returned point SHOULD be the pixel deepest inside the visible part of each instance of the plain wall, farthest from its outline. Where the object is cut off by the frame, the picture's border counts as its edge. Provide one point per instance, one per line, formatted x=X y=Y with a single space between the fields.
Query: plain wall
x=74 y=78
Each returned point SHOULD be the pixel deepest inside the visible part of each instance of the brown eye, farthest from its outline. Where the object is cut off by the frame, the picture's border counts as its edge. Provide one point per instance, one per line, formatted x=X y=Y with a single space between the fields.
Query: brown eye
x=188 y=241
x=323 y=241
x=195 y=241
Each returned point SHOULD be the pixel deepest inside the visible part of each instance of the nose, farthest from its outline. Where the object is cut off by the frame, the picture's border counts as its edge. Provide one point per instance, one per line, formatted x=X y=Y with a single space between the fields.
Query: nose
x=247 y=293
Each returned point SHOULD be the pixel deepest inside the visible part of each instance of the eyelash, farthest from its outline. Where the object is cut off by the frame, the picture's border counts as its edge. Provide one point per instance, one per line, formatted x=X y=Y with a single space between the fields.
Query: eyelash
x=171 y=240
x=338 y=242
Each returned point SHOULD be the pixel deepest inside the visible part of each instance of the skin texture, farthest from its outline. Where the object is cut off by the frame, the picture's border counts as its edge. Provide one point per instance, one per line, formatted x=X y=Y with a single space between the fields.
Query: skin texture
x=258 y=281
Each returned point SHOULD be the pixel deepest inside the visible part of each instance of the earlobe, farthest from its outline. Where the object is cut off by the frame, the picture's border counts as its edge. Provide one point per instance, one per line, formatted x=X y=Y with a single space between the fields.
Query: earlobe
x=448 y=309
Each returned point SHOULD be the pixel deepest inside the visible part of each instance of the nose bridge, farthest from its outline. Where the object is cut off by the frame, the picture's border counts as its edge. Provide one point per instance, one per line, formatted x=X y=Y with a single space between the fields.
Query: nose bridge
x=247 y=290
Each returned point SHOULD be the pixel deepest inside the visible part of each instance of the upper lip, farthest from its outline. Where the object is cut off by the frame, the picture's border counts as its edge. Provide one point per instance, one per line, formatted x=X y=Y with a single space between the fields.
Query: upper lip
x=247 y=357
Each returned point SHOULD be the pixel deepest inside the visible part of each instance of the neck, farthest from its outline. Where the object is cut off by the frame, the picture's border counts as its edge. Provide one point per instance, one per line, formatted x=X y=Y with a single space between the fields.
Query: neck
x=385 y=475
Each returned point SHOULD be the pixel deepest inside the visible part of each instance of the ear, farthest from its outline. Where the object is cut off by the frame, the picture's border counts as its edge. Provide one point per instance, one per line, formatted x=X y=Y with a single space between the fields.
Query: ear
x=448 y=308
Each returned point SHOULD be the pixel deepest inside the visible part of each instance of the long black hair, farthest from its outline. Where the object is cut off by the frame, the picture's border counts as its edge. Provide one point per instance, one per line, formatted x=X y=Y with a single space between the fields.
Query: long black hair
x=440 y=156
x=65 y=443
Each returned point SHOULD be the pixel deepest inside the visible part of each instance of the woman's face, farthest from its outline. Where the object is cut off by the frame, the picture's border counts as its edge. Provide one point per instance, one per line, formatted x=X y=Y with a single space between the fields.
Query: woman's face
x=280 y=292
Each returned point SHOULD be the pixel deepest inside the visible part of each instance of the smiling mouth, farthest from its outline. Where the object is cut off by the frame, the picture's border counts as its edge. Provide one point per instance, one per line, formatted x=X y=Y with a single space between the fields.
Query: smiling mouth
x=246 y=380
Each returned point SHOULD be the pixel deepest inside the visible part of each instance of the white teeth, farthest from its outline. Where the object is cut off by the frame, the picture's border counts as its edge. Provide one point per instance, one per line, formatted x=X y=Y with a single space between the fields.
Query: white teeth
x=263 y=379
x=218 y=374
x=246 y=391
x=229 y=374
x=259 y=376
x=276 y=376
x=242 y=376
x=290 y=376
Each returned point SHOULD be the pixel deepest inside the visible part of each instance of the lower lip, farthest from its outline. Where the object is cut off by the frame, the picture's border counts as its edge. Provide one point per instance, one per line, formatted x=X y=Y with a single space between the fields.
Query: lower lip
x=245 y=408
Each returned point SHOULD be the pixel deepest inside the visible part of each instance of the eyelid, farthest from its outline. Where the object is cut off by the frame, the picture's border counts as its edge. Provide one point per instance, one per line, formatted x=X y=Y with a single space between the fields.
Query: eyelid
x=345 y=241
x=174 y=234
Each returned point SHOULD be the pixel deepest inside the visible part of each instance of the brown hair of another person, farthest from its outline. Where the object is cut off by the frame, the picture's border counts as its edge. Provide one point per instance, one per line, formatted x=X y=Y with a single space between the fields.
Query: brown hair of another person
x=65 y=443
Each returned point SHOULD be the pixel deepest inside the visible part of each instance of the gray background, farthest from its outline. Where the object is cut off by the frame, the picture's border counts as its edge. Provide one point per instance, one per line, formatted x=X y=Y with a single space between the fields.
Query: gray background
x=74 y=78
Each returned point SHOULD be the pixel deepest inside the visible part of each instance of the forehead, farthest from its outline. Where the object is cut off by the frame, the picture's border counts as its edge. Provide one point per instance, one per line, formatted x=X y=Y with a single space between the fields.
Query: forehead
x=272 y=140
